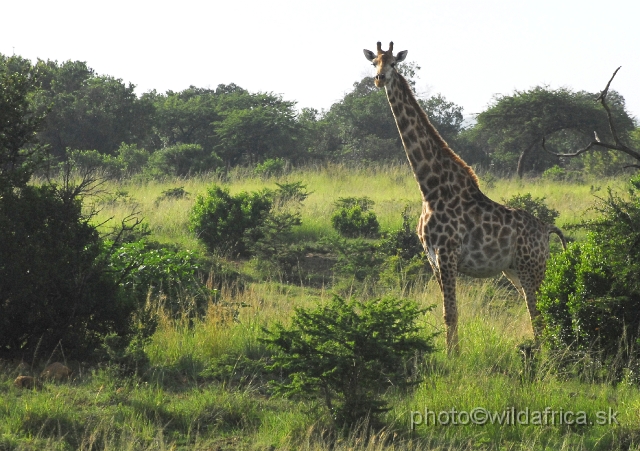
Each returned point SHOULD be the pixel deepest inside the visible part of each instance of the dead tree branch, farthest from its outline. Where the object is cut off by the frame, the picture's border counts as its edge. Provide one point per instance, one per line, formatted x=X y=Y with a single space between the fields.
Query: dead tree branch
x=596 y=144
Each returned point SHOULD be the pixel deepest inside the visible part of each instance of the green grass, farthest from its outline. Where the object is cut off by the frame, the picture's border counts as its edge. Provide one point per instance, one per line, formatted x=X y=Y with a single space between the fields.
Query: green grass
x=177 y=405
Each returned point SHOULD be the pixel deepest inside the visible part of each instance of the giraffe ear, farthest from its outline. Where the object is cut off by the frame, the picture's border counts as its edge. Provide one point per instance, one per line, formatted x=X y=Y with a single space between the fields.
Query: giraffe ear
x=368 y=54
x=401 y=56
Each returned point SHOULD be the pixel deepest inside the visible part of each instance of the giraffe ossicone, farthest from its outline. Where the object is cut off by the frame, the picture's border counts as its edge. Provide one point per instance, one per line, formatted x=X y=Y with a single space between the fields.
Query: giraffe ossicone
x=460 y=228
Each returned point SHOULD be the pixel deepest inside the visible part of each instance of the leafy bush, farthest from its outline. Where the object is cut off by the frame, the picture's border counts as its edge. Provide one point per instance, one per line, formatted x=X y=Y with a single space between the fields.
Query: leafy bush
x=274 y=244
x=358 y=258
x=145 y=268
x=348 y=352
x=270 y=166
x=534 y=205
x=172 y=194
x=91 y=160
x=222 y=221
x=403 y=242
x=132 y=160
x=555 y=173
x=182 y=160
x=55 y=283
x=353 y=218
x=591 y=295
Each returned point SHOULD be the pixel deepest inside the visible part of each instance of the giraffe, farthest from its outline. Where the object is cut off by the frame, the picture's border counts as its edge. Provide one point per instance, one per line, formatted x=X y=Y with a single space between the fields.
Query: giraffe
x=460 y=228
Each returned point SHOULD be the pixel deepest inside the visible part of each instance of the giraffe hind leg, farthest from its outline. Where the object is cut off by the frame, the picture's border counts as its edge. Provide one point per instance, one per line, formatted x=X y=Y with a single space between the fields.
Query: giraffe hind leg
x=527 y=286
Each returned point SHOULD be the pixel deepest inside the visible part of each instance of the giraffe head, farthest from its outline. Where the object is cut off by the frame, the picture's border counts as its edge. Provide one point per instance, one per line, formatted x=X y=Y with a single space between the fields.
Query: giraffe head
x=384 y=62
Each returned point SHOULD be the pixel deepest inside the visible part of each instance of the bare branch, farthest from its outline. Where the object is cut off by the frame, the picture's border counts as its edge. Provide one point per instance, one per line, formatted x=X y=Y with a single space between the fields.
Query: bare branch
x=597 y=144
x=602 y=98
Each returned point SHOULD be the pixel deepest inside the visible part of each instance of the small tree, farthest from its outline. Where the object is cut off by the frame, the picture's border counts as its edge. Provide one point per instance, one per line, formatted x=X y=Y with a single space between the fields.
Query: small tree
x=221 y=220
x=352 y=218
x=618 y=143
x=348 y=353
x=591 y=295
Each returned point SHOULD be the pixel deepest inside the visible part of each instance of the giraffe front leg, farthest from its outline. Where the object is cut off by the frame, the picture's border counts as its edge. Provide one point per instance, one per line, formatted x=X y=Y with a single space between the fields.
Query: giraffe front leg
x=448 y=273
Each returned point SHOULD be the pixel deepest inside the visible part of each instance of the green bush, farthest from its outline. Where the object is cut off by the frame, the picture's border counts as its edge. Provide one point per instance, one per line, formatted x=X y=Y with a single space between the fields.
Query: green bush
x=348 y=352
x=591 y=295
x=534 y=205
x=91 y=160
x=132 y=160
x=403 y=242
x=222 y=221
x=352 y=218
x=55 y=282
x=357 y=258
x=182 y=160
x=146 y=268
x=270 y=166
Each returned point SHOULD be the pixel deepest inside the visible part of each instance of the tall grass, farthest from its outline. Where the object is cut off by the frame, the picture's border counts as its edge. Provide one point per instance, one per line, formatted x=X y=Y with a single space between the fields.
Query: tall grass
x=175 y=405
x=392 y=187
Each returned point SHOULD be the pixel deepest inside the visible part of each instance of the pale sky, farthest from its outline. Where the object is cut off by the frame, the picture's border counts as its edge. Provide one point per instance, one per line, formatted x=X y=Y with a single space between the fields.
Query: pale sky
x=311 y=51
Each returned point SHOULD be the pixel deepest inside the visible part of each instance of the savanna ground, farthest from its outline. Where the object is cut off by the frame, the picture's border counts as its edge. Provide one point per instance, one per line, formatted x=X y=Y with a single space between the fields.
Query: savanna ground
x=203 y=392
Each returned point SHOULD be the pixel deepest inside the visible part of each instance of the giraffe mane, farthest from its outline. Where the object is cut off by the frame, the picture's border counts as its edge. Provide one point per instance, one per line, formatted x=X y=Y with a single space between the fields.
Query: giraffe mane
x=434 y=132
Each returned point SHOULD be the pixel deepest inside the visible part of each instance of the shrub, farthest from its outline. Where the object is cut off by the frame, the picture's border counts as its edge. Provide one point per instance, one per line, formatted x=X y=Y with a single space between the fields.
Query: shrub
x=352 y=218
x=348 y=352
x=146 y=268
x=591 y=295
x=55 y=283
x=358 y=258
x=87 y=161
x=270 y=166
x=555 y=173
x=403 y=242
x=274 y=244
x=182 y=160
x=222 y=221
x=172 y=194
x=132 y=160
x=534 y=205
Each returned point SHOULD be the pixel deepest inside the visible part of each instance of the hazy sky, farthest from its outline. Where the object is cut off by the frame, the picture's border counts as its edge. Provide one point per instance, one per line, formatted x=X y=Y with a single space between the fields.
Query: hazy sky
x=311 y=51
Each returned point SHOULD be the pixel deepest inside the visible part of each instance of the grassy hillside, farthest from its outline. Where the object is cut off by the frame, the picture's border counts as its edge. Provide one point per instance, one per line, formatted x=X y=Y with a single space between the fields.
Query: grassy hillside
x=206 y=388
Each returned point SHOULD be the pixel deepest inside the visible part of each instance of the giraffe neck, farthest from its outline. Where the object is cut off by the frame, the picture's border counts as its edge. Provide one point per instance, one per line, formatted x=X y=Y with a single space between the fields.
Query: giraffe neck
x=437 y=169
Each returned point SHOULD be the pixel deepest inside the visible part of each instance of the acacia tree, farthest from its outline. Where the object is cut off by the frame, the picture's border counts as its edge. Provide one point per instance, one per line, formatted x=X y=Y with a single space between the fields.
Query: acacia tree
x=511 y=130
x=596 y=144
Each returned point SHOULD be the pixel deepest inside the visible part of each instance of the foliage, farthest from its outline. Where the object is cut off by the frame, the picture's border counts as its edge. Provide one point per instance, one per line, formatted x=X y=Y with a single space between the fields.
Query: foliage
x=256 y=127
x=19 y=153
x=131 y=159
x=591 y=295
x=405 y=264
x=182 y=160
x=352 y=217
x=348 y=352
x=88 y=111
x=270 y=166
x=404 y=241
x=272 y=240
x=357 y=258
x=146 y=269
x=54 y=279
x=511 y=130
x=533 y=205
x=221 y=220
x=446 y=116
x=185 y=117
x=555 y=173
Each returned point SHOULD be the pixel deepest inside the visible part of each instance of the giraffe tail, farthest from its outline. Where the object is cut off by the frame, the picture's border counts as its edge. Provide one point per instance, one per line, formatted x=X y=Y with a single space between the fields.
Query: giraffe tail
x=557 y=231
